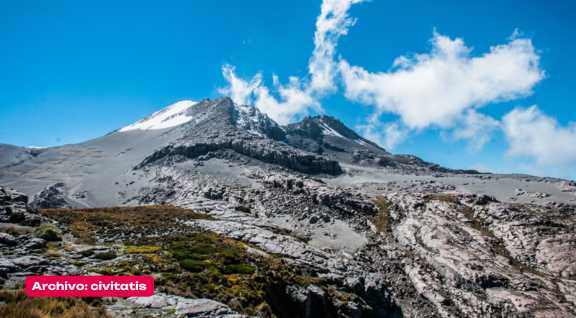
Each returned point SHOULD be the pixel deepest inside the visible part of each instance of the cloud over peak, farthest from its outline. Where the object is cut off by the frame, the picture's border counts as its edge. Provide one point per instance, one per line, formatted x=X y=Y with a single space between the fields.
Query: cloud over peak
x=241 y=91
x=284 y=101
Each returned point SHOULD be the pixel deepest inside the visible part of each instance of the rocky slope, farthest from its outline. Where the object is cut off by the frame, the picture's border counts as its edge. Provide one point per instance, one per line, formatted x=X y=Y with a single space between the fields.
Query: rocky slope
x=307 y=220
x=329 y=137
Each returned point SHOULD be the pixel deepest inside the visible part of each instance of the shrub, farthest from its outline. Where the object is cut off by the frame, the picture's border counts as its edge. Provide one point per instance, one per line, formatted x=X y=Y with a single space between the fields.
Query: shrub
x=49 y=232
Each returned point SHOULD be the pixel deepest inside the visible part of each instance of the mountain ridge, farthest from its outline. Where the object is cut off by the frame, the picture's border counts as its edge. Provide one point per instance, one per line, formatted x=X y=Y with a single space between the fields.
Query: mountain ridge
x=332 y=138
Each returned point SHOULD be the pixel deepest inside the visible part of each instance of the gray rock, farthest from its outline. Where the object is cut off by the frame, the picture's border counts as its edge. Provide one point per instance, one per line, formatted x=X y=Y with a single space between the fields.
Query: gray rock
x=203 y=308
x=104 y=254
x=7 y=239
x=164 y=305
x=34 y=243
x=30 y=260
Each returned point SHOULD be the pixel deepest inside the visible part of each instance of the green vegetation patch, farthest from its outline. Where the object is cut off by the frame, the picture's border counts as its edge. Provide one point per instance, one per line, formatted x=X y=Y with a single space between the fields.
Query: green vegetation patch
x=207 y=265
x=49 y=232
x=221 y=268
x=210 y=251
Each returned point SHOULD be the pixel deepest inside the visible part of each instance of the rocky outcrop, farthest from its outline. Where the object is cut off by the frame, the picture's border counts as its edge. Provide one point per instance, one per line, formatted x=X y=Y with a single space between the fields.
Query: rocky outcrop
x=478 y=258
x=13 y=155
x=14 y=208
x=329 y=137
x=52 y=197
x=260 y=150
x=23 y=238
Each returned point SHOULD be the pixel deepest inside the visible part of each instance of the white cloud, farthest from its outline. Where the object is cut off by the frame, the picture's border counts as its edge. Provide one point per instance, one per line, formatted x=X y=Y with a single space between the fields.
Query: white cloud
x=443 y=88
x=240 y=90
x=284 y=101
x=533 y=134
x=293 y=100
x=438 y=87
x=332 y=23
x=476 y=128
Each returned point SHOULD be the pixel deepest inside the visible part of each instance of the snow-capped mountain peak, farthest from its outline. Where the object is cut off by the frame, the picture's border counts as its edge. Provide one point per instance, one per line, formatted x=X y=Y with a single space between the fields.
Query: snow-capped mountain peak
x=171 y=116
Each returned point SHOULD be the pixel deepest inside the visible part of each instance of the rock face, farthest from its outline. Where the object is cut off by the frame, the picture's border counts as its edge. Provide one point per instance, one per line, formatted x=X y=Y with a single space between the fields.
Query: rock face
x=371 y=234
x=263 y=151
x=18 y=248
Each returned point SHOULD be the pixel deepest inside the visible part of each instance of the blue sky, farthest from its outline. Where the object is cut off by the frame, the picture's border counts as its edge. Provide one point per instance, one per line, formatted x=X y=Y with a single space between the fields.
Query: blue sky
x=71 y=70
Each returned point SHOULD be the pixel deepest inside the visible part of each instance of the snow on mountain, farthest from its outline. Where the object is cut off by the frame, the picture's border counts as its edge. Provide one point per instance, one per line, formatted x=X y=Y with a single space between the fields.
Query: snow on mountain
x=327 y=130
x=173 y=115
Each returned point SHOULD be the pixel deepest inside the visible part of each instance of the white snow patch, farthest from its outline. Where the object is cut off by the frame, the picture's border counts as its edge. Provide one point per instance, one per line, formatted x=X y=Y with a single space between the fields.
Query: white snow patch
x=171 y=116
x=327 y=130
x=248 y=119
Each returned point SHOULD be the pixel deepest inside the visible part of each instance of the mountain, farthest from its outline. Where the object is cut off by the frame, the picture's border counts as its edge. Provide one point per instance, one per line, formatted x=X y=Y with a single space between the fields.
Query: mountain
x=105 y=171
x=236 y=214
x=114 y=168
x=225 y=129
